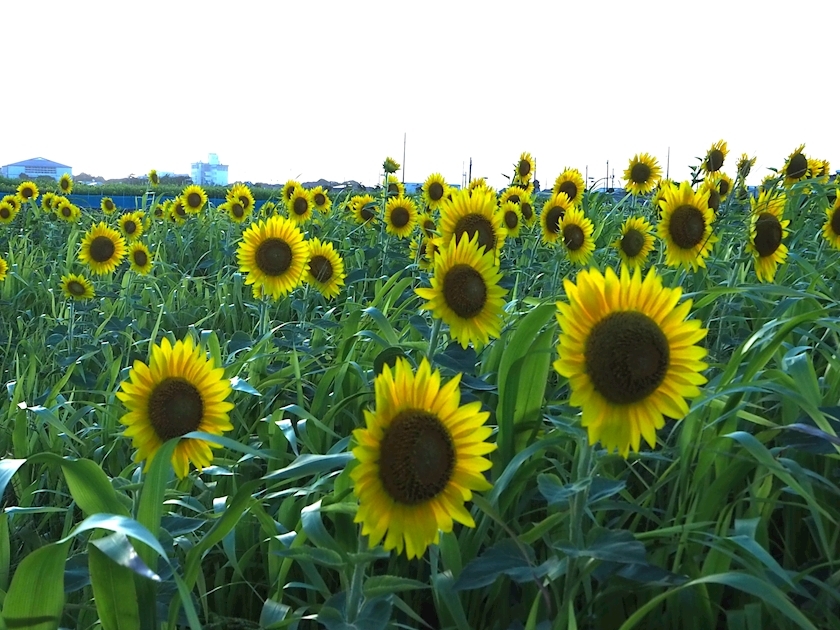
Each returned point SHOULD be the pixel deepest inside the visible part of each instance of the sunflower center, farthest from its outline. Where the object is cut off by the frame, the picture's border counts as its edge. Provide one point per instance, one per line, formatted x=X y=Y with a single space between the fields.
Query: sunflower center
x=109 y=205
x=570 y=188
x=5 y=213
x=130 y=227
x=436 y=191
x=66 y=211
x=273 y=256
x=175 y=408
x=321 y=268
x=65 y=185
x=465 y=291
x=835 y=221
x=180 y=210
x=237 y=210
x=140 y=258
x=723 y=187
x=320 y=199
x=366 y=214
x=573 y=237
x=768 y=234
x=527 y=210
x=553 y=218
x=399 y=217
x=687 y=227
x=300 y=207
x=714 y=199
x=393 y=189
x=632 y=243
x=524 y=168
x=472 y=224
x=511 y=220
x=194 y=200
x=429 y=226
x=514 y=199
x=102 y=249
x=26 y=193
x=798 y=166
x=640 y=173
x=76 y=288
x=244 y=201
x=417 y=457
x=714 y=161
x=627 y=357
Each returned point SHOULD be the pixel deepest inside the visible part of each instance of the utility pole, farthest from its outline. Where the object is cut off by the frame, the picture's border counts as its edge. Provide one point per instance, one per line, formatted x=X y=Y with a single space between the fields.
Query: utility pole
x=403 y=164
x=668 y=164
x=469 y=179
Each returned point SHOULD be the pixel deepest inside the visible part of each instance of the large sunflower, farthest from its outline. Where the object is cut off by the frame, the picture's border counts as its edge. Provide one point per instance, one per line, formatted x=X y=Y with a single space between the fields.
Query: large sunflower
x=642 y=174
x=77 y=287
x=180 y=391
x=629 y=354
x=400 y=216
x=289 y=189
x=715 y=156
x=8 y=212
x=194 y=198
x=235 y=210
x=420 y=456
x=551 y=215
x=274 y=255
x=767 y=229
x=242 y=194
x=27 y=191
x=103 y=248
x=472 y=213
x=636 y=242
x=831 y=227
x=796 y=167
x=686 y=226
x=325 y=269
x=140 y=258
x=577 y=236
x=65 y=184
x=465 y=292
x=570 y=181
x=434 y=191
x=300 y=206
x=178 y=211
x=131 y=224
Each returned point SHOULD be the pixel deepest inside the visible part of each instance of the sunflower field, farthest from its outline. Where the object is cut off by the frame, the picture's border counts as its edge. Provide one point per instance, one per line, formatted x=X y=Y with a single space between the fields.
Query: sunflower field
x=462 y=408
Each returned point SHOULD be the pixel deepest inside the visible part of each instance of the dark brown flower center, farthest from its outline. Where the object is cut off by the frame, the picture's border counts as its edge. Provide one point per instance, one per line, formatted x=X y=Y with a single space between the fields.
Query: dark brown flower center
x=435 y=191
x=393 y=188
x=321 y=268
x=527 y=210
x=300 y=206
x=687 y=227
x=399 y=217
x=570 y=188
x=627 y=357
x=237 y=210
x=835 y=220
x=180 y=210
x=640 y=173
x=524 y=168
x=102 y=249
x=366 y=214
x=194 y=200
x=797 y=166
x=76 y=288
x=245 y=201
x=429 y=226
x=5 y=213
x=714 y=161
x=320 y=199
x=175 y=408
x=514 y=198
x=768 y=234
x=130 y=227
x=553 y=218
x=511 y=219
x=27 y=192
x=472 y=224
x=723 y=187
x=273 y=256
x=464 y=291
x=573 y=237
x=65 y=185
x=416 y=457
x=109 y=205
x=66 y=211
x=714 y=199
x=632 y=243
x=140 y=258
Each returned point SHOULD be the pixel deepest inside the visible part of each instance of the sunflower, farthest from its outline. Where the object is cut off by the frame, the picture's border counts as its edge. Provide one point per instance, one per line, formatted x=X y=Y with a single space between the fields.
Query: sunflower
x=363 y=208
x=420 y=456
x=8 y=212
x=194 y=199
x=400 y=216
x=140 y=258
x=724 y=185
x=577 y=236
x=14 y=201
x=473 y=213
x=235 y=210
x=715 y=156
x=796 y=167
x=511 y=218
x=686 y=226
x=819 y=170
x=65 y=184
x=4 y=268
x=831 y=227
x=178 y=211
x=526 y=207
x=49 y=201
x=423 y=250
x=299 y=206
x=744 y=165
x=66 y=211
x=427 y=224
x=709 y=188
x=154 y=179
x=465 y=292
x=102 y=249
x=771 y=181
x=767 y=229
x=131 y=224
x=513 y=193
x=273 y=254
x=551 y=216
x=289 y=189
x=642 y=174
x=27 y=191
x=524 y=169
x=108 y=206
x=629 y=354
x=321 y=200
x=77 y=287
x=242 y=194
x=435 y=190
x=390 y=165
x=570 y=181
x=161 y=210
x=267 y=209
x=478 y=182
x=325 y=269
x=635 y=242
x=394 y=187
x=180 y=391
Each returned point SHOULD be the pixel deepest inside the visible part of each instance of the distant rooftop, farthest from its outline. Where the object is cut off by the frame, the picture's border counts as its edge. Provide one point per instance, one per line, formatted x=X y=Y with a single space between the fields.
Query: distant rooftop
x=39 y=161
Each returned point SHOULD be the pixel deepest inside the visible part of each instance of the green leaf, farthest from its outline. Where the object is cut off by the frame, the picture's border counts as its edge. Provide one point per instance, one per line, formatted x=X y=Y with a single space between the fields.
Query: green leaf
x=8 y=468
x=240 y=385
x=310 y=465
x=41 y=572
x=113 y=592
x=326 y=557
x=387 y=584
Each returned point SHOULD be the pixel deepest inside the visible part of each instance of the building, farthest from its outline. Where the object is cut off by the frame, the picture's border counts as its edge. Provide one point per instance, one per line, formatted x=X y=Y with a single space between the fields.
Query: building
x=36 y=167
x=210 y=173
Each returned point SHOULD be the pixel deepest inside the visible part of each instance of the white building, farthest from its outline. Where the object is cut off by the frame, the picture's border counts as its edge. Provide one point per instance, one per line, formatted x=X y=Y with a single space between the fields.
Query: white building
x=36 y=167
x=210 y=173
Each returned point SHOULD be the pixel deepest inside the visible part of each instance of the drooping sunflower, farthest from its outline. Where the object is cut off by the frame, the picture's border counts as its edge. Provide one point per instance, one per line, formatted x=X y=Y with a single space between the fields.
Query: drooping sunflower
x=178 y=392
x=364 y=208
x=636 y=242
x=709 y=188
x=241 y=193
x=831 y=227
x=27 y=191
x=686 y=226
x=77 y=287
x=395 y=188
x=434 y=191
x=767 y=230
x=65 y=184
x=642 y=174
x=796 y=167
x=570 y=181
x=103 y=248
x=299 y=206
x=288 y=189
x=715 y=156
x=524 y=168
x=154 y=178
x=465 y=292
x=400 y=216
x=273 y=254
x=472 y=213
x=131 y=224
x=325 y=269
x=140 y=258
x=744 y=165
x=629 y=354
x=420 y=457
x=551 y=216
x=67 y=211
x=577 y=236
x=8 y=212
x=108 y=206
x=390 y=165
x=511 y=218
x=194 y=198
x=321 y=200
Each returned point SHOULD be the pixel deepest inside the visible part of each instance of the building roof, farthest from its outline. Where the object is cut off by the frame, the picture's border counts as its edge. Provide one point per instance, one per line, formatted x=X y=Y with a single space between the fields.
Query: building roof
x=38 y=161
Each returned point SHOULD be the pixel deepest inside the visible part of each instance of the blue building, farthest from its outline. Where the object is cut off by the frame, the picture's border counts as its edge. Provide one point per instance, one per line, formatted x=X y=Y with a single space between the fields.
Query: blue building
x=35 y=167
x=210 y=173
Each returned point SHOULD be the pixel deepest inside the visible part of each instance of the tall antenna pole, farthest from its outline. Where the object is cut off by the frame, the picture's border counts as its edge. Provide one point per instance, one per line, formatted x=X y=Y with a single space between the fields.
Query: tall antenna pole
x=668 y=164
x=403 y=164
x=469 y=179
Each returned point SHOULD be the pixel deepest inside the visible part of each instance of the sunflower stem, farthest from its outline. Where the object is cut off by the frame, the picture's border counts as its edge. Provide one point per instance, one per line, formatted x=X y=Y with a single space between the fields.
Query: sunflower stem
x=354 y=595
x=263 y=329
x=71 y=325
x=433 y=340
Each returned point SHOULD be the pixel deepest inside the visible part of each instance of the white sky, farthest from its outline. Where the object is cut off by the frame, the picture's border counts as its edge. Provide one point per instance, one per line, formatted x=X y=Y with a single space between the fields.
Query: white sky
x=307 y=89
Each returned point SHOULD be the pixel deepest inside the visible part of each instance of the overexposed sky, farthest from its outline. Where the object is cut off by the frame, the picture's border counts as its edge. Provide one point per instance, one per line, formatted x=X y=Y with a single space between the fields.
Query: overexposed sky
x=304 y=89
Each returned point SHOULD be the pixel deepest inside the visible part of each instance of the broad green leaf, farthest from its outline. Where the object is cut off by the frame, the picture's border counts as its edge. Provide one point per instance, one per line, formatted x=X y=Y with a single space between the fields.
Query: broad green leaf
x=8 y=468
x=113 y=592
x=88 y=484
x=310 y=465
x=41 y=572
x=387 y=584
